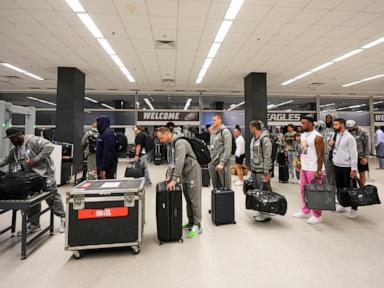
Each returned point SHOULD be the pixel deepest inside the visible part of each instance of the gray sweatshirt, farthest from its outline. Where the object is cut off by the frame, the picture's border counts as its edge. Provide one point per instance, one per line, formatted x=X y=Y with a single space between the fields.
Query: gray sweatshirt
x=184 y=159
x=84 y=140
x=37 y=149
x=261 y=153
x=363 y=142
x=221 y=146
x=345 y=151
x=327 y=136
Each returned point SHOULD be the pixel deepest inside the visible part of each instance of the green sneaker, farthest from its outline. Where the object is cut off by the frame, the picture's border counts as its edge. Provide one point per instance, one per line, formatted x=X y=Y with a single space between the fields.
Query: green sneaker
x=187 y=226
x=194 y=232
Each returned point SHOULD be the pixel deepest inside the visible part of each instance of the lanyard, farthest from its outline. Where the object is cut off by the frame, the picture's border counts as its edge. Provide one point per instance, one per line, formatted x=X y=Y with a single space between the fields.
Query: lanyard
x=338 y=143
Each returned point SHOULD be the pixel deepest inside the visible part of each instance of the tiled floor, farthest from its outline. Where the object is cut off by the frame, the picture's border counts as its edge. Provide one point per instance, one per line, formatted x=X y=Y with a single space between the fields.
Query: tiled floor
x=282 y=253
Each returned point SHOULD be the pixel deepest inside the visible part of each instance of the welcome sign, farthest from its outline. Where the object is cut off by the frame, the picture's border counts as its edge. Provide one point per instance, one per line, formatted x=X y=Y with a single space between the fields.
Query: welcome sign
x=162 y=117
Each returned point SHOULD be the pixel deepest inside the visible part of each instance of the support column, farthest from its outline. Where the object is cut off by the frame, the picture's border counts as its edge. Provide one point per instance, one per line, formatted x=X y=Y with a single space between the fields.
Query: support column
x=70 y=109
x=255 y=107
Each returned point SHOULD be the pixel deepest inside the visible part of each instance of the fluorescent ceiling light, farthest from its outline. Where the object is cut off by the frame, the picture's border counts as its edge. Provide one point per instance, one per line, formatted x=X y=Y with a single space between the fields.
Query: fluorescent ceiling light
x=76 y=6
x=233 y=9
x=363 y=80
x=223 y=30
x=91 y=100
x=130 y=78
x=376 y=109
x=278 y=105
x=88 y=22
x=373 y=77
x=303 y=75
x=188 y=104
x=373 y=43
x=202 y=72
x=124 y=70
x=10 y=66
x=117 y=60
x=149 y=103
x=213 y=51
x=107 y=106
x=235 y=106
x=106 y=46
x=352 y=83
x=378 y=102
x=288 y=82
x=42 y=101
x=207 y=63
x=318 y=68
x=327 y=105
x=199 y=80
x=347 y=55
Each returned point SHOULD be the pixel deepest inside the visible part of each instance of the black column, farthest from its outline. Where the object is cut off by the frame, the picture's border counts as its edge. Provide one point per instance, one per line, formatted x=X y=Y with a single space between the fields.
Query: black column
x=70 y=109
x=255 y=107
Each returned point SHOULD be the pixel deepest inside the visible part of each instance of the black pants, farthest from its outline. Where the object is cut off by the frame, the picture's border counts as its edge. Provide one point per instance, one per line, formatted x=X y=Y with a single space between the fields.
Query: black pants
x=343 y=178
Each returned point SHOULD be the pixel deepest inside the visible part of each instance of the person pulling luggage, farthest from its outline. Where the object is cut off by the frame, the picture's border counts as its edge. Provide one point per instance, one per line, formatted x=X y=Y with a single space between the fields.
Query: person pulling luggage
x=261 y=161
x=186 y=172
x=33 y=152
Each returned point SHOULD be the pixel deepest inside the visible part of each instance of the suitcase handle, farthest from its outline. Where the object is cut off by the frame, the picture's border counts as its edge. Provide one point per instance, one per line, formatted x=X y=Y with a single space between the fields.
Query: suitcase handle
x=175 y=213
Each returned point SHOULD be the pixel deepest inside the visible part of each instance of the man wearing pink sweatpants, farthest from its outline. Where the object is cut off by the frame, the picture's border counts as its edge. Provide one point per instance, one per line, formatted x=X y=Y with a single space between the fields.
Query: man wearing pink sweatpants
x=312 y=165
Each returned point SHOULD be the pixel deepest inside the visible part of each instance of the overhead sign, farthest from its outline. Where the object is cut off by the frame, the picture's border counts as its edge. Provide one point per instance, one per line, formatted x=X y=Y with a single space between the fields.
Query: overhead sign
x=148 y=116
x=287 y=117
x=379 y=117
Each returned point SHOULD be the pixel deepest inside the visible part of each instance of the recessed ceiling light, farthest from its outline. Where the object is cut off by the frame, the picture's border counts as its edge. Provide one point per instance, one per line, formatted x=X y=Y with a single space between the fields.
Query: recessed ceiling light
x=347 y=55
x=88 y=22
x=223 y=30
x=76 y=6
x=10 y=66
x=373 y=43
x=214 y=48
x=91 y=100
x=107 y=47
x=363 y=80
x=107 y=106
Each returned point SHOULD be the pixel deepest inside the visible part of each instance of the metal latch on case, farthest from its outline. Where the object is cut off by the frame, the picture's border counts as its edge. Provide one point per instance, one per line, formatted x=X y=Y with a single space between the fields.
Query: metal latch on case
x=78 y=202
x=129 y=200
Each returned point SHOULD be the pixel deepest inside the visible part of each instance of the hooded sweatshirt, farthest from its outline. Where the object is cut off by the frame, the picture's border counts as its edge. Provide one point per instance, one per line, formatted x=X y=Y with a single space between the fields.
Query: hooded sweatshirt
x=35 y=148
x=106 y=156
x=84 y=140
x=328 y=134
x=261 y=153
x=221 y=146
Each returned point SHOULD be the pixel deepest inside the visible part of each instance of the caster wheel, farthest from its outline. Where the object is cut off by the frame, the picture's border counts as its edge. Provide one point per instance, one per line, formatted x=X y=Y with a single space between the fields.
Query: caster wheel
x=78 y=254
x=181 y=241
x=234 y=222
x=209 y=211
x=135 y=250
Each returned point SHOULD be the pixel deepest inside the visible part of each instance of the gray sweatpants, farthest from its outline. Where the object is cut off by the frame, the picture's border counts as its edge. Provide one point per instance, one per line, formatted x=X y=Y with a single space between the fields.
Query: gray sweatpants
x=57 y=204
x=220 y=179
x=91 y=167
x=192 y=193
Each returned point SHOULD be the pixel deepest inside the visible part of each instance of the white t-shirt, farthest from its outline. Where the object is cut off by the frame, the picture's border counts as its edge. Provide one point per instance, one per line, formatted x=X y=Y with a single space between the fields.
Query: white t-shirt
x=308 y=156
x=240 y=146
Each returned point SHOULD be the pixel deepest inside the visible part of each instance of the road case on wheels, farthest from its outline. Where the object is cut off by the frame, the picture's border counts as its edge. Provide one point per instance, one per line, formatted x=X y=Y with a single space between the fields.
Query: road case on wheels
x=105 y=214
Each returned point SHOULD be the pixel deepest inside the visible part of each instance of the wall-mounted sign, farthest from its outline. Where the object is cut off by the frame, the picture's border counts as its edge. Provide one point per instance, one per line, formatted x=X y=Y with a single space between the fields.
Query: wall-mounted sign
x=286 y=118
x=163 y=116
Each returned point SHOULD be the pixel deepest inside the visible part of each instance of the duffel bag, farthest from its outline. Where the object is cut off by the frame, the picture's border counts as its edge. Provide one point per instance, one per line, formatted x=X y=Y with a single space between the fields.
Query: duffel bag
x=266 y=201
x=248 y=185
x=134 y=170
x=358 y=196
x=19 y=185
x=320 y=196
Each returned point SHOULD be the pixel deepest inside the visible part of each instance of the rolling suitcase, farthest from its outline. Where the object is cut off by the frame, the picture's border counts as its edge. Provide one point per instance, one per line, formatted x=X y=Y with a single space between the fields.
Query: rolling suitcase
x=206 y=179
x=169 y=215
x=158 y=155
x=223 y=206
x=105 y=214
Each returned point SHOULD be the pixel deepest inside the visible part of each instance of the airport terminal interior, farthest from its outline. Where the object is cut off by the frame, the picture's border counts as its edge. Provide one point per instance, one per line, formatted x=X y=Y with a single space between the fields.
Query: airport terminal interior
x=285 y=94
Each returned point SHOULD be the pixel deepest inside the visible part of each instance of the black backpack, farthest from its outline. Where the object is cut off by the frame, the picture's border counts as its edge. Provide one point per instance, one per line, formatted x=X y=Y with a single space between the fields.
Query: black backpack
x=233 y=148
x=200 y=149
x=121 y=142
x=149 y=143
x=20 y=185
x=92 y=142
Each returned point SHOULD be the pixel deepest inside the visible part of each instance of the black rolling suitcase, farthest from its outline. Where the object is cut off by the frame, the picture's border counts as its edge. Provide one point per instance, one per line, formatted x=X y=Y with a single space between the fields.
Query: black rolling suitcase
x=158 y=155
x=169 y=213
x=206 y=179
x=223 y=206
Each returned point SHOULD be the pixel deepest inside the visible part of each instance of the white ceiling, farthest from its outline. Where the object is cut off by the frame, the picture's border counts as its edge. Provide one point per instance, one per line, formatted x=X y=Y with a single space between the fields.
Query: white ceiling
x=281 y=37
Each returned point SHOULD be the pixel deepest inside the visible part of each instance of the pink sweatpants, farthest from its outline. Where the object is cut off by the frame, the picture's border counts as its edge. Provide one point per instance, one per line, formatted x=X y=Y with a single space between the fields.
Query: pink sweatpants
x=305 y=178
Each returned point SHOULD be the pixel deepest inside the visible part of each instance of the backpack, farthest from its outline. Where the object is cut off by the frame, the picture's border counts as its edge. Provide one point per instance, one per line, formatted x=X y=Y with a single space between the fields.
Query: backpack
x=200 y=149
x=92 y=142
x=121 y=142
x=149 y=143
x=233 y=148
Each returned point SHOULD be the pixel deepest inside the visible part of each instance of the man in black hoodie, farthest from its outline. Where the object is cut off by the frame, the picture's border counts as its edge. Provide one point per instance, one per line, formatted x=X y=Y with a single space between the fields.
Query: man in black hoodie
x=328 y=134
x=106 y=156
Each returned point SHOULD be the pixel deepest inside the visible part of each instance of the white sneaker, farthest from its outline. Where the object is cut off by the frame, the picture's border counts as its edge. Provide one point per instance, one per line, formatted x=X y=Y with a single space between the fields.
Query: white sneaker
x=261 y=218
x=239 y=183
x=301 y=215
x=340 y=209
x=314 y=220
x=62 y=225
x=352 y=214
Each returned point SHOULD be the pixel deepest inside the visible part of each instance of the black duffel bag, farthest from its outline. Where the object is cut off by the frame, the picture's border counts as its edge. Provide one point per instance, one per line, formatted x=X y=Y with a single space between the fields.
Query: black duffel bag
x=266 y=201
x=358 y=196
x=248 y=185
x=20 y=185
x=134 y=170
x=320 y=196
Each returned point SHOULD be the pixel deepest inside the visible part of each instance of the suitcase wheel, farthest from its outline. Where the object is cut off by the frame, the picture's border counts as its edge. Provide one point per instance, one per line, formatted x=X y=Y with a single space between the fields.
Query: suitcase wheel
x=135 y=250
x=234 y=222
x=181 y=241
x=78 y=254
x=210 y=211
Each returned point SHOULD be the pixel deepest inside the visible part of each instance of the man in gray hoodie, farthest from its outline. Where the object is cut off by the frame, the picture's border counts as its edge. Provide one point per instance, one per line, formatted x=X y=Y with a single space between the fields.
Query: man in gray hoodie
x=261 y=161
x=186 y=172
x=89 y=142
x=33 y=152
x=220 y=150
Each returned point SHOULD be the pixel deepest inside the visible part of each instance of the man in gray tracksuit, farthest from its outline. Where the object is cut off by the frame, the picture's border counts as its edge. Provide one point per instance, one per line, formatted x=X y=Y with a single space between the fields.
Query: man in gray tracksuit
x=261 y=161
x=186 y=172
x=220 y=150
x=89 y=153
x=33 y=152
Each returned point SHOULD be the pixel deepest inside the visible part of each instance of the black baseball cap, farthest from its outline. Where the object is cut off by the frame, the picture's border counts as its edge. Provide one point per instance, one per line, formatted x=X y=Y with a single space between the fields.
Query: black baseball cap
x=11 y=132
